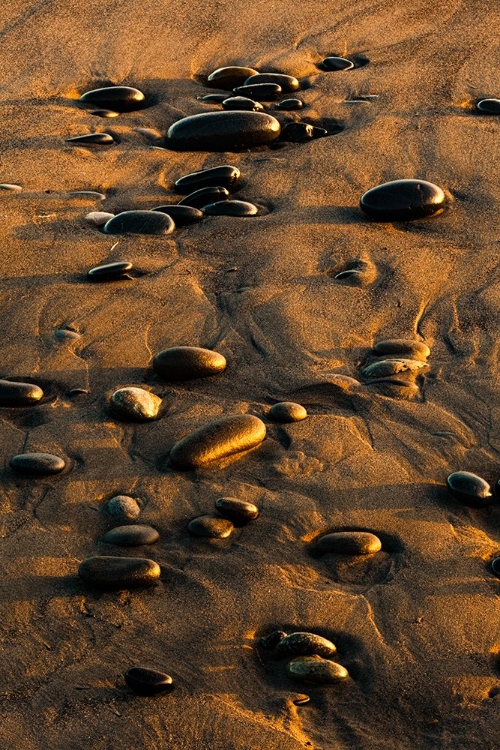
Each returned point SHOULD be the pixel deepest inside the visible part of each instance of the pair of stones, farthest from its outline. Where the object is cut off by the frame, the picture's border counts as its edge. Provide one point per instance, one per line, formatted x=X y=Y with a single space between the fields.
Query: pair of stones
x=234 y=512
x=403 y=200
x=232 y=77
x=310 y=657
x=393 y=366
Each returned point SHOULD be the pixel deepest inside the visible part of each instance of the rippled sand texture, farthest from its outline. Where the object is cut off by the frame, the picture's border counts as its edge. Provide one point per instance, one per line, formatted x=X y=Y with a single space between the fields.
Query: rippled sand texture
x=416 y=624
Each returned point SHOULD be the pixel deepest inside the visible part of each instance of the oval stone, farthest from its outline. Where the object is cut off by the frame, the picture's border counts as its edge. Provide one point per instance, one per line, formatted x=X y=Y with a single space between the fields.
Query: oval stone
x=204 y=196
x=287 y=83
x=133 y=535
x=110 y=271
x=265 y=92
x=223 y=176
x=98 y=218
x=384 y=368
x=243 y=103
x=106 y=113
x=314 y=670
x=229 y=77
x=222 y=131
x=123 y=509
x=19 y=394
x=211 y=527
x=302 y=132
x=140 y=222
x=217 y=440
x=287 y=411
x=116 y=98
x=238 y=511
x=112 y=573
x=135 y=403
x=489 y=106
x=231 y=208
x=181 y=215
x=145 y=681
x=290 y=104
x=91 y=195
x=349 y=543
x=337 y=63
x=469 y=488
x=403 y=200
x=92 y=139
x=304 y=644
x=37 y=463
x=407 y=347
x=214 y=98
x=187 y=362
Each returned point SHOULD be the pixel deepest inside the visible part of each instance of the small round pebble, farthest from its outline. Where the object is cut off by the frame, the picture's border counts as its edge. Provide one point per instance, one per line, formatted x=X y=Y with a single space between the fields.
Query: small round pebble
x=110 y=271
x=243 y=103
x=290 y=104
x=112 y=573
x=187 y=362
x=37 y=463
x=315 y=670
x=134 y=535
x=211 y=527
x=489 y=106
x=229 y=77
x=181 y=215
x=19 y=394
x=204 y=196
x=116 y=98
x=469 y=488
x=144 y=681
x=231 y=208
x=123 y=509
x=287 y=83
x=407 y=347
x=265 y=92
x=304 y=644
x=224 y=175
x=140 y=222
x=403 y=200
x=349 y=543
x=287 y=411
x=238 y=511
x=98 y=218
x=135 y=403
x=222 y=131
x=337 y=63
x=92 y=139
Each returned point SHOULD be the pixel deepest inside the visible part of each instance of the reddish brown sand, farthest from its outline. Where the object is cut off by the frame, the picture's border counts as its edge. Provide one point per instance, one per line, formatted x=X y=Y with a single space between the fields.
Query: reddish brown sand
x=416 y=625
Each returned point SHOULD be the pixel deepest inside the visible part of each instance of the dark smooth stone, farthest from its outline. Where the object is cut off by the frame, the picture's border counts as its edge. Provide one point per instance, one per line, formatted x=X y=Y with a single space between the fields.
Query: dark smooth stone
x=386 y=368
x=243 y=103
x=271 y=641
x=290 y=104
x=92 y=139
x=495 y=566
x=302 y=700
x=337 y=63
x=145 y=681
x=37 y=463
x=402 y=200
x=116 y=98
x=222 y=176
x=405 y=347
x=317 y=671
x=134 y=535
x=238 y=511
x=204 y=196
x=287 y=411
x=265 y=92
x=304 y=644
x=106 y=113
x=222 y=131
x=110 y=271
x=123 y=509
x=211 y=527
x=228 y=78
x=181 y=215
x=140 y=222
x=135 y=403
x=349 y=543
x=19 y=394
x=187 y=362
x=301 y=132
x=231 y=208
x=489 y=106
x=287 y=83
x=470 y=489
x=215 y=98
x=217 y=440
x=105 y=572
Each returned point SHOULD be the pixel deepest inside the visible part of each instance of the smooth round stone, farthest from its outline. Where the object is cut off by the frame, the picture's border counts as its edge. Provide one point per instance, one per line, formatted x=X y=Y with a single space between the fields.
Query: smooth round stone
x=265 y=92
x=214 y=98
x=495 y=566
x=145 y=681
x=222 y=131
x=231 y=208
x=223 y=176
x=349 y=543
x=204 y=196
x=217 y=440
x=116 y=98
x=229 y=77
x=8 y=187
x=287 y=83
x=407 y=347
x=105 y=572
x=302 y=132
x=238 y=511
x=337 y=63
x=106 y=113
x=19 y=394
x=270 y=641
x=123 y=509
x=489 y=106
x=384 y=368
x=181 y=215
x=211 y=527
x=131 y=536
x=187 y=362
x=37 y=463
x=98 y=218
x=66 y=334
x=304 y=644
x=290 y=104
x=140 y=222
x=243 y=103
x=135 y=403
x=92 y=139
x=469 y=488
x=402 y=200
x=287 y=411
x=110 y=271
x=315 y=670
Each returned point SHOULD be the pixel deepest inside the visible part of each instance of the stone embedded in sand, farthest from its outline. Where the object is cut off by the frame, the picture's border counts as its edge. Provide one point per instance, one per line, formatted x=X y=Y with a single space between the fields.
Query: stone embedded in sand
x=222 y=131
x=140 y=222
x=116 y=98
x=98 y=218
x=290 y=104
x=211 y=527
x=105 y=572
x=231 y=208
x=217 y=440
x=37 y=463
x=215 y=98
x=470 y=489
x=337 y=63
x=242 y=103
x=315 y=670
x=123 y=509
x=495 y=566
x=238 y=511
x=302 y=132
x=187 y=362
x=134 y=535
x=110 y=271
x=19 y=394
x=223 y=176
x=91 y=195
x=287 y=411
x=403 y=200
x=406 y=347
x=385 y=368
x=228 y=78
x=8 y=187
x=145 y=681
x=489 y=106
x=106 y=113
x=287 y=83
x=181 y=215
x=204 y=196
x=349 y=543
x=304 y=644
x=261 y=92
x=92 y=139
x=135 y=403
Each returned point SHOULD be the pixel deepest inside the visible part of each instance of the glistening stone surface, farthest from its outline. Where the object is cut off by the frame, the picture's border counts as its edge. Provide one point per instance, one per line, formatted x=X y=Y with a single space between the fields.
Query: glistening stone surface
x=210 y=527
x=229 y=77
x=140 y=222
x=145 y=681
x=287 y=411
x=231 y=208
x=181 y=215
x=302 y=132
x=187 y=362
x=217 y=440
x=135 y=403
x=222 y=131
x=204 y=196
x=287 y=83
x=214 y=98
x=19 y=394
x=110 y=271
x=303 y=643
x=469 y=488
x=290 y=104
x=92 y=139
x=112 y=573
x=337 y=63
x=489 y=106
x=315 y=670
x=349 y=543
x=224 y=175
x=238 y=511
x=116 y=98
x=403 y=200
x=261 y=92
x=133 y=535
x=123 y=509
x=495 y=566
x=242 y=103
x=37 y=463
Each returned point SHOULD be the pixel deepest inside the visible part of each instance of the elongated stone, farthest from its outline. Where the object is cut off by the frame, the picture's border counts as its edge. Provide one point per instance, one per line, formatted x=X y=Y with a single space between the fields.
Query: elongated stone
x=349 y=543
x=203 y=196
x=261 y=92
x=231 y=208
x=489 y=106
x=98 y=218
x=287 y=411
x=144 y=681
x=214 y=98
x=290 y=104
x=304 y=644
x=37 y=463
x=133 y=535
x=223 y=176
x=302 y=132
x=238 y=511
x=217 y=440
x=181 y=215
x=19 y=394
x=91 y=195
x=110 y=271
x=286 y=83
x=387 y=367
x=470 y=489
x=229 y=77
x=403 y=200
x=92 y=139
x=116 y=98
x=187 y=362
x=135 y=403
x=140 y=222
x=106 y=113
x=211 y=527
x=8 y=187
x=403 y=347
x=242 y=103
x=315 y=670
x=222 y=131
x=123 y=509
x=113 y=573
x=337 y=63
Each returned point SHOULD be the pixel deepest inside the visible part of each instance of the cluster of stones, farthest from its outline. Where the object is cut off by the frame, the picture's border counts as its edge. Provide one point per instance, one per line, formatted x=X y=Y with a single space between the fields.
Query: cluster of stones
x=309 y=657
x=231 y=513
x=393 y=367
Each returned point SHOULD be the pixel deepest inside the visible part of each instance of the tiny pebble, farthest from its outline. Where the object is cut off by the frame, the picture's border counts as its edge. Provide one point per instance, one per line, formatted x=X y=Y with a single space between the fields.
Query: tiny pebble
x=107 y=113
x=290 y=104
x=92 y=139
x=243 y=103
x=144 y=681
x=110 y=271
x=287 y=411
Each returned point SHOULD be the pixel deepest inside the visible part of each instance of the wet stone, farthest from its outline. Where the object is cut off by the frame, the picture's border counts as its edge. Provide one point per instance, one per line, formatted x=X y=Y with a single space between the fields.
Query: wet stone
x=337 y=63
x=140 y=222
x=238 y=511
x=211 y=527
x=229 y=77
x=204 y=196
x=287 y=83
x=304 y=644
x=148 y=682
x=403 y=200
x=133 y=535
x=287 y=411
x=406 y=347
x=37 y=463
x=123 y=509
x=92 y=139
x=223 y=176
x=222 y=131
x=243 y=103
x=106 y=113
x=302 y=132
x=110 y=271
x=290 y=104
x=261 y=92
x=349 y=543
x=214 y=98
x=116 y=98
x=181 y=215
x=135 y=403
x=470 y=489
x=489 y=106
x=114 y=573
x=98 y=218
x=315 y=670
x=187 y=362
x=14 y=394
x=231 y=208
x=495 y=566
